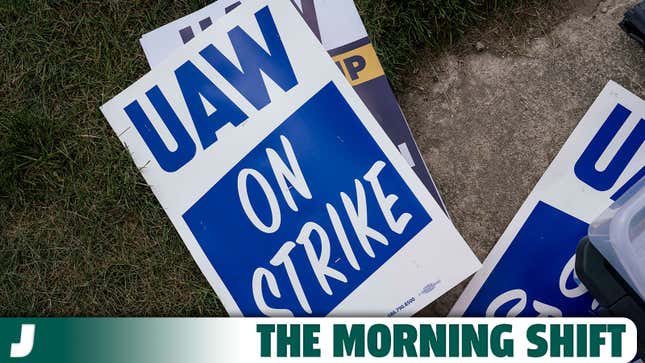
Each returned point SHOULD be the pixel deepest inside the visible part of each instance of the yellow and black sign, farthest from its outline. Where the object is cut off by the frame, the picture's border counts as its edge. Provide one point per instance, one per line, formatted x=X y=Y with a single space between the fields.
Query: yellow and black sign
x=359 y=65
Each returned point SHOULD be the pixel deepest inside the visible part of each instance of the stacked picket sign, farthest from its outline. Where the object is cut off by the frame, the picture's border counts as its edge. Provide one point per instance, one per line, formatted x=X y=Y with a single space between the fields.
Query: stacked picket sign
x=292 y=195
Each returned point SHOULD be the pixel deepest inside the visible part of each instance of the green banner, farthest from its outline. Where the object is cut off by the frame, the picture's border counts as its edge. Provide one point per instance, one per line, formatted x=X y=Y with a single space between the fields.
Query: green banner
x=246 y=340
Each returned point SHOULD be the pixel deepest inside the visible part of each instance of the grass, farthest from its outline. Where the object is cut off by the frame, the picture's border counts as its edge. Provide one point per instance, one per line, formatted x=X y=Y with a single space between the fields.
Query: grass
x=80 y=232
x=400 y=29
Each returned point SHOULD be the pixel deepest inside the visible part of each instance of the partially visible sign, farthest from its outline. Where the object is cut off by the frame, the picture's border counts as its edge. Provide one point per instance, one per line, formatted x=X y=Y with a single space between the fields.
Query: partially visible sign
x=289 y=195
x=530 y=272
x=338 y=26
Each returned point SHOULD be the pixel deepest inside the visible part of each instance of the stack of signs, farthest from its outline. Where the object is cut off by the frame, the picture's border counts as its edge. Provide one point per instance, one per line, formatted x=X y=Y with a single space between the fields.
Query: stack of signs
x=530 y=271
x=338 y=26
x=286 y=190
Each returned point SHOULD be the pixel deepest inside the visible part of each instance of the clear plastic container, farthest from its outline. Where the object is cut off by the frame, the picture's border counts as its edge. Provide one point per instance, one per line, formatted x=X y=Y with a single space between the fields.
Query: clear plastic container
x=619 y=234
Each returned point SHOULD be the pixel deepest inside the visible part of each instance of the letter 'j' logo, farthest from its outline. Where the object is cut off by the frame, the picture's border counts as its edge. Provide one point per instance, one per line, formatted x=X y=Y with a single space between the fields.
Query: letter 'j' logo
x=26 y=343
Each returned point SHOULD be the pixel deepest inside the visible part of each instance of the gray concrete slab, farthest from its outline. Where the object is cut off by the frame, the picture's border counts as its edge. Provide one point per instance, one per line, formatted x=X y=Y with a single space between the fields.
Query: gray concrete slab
x=489 y=124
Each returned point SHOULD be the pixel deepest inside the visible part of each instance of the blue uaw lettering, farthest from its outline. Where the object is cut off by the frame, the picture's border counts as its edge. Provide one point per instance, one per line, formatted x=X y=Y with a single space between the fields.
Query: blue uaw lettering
x=585 y=168
x=197 y=88
x=169 y=160
x=318 y=257
x=254 y=60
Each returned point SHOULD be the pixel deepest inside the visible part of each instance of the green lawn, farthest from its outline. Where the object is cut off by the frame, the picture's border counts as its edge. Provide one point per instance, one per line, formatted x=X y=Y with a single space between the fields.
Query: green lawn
x=80 y=232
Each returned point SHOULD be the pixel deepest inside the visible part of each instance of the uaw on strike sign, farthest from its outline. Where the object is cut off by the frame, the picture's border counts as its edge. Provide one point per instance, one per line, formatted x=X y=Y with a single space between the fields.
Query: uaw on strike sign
x=530 y=271
x=289 y=195
x=338 y=26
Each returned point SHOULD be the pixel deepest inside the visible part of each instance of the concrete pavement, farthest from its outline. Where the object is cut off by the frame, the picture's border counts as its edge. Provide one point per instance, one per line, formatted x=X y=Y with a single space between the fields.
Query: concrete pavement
x=489 y=124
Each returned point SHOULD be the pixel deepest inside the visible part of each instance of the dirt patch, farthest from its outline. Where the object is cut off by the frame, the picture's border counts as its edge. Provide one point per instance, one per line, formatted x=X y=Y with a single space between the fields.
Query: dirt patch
x=489 y=122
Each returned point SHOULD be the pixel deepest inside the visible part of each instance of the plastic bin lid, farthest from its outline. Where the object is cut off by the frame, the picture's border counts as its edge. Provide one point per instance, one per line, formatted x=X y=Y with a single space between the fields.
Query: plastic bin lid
x=619 y=234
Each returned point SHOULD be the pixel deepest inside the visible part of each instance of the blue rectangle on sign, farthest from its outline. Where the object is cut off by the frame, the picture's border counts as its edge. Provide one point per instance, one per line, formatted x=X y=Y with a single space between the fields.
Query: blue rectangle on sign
x=351 y=230
x=535 y=276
